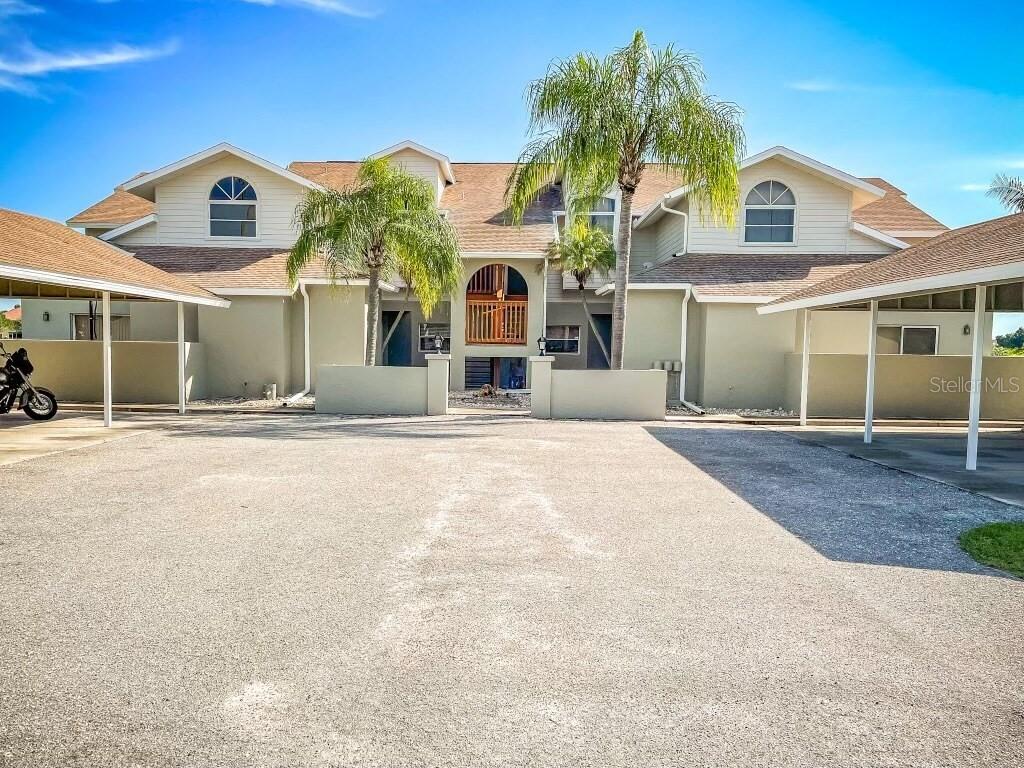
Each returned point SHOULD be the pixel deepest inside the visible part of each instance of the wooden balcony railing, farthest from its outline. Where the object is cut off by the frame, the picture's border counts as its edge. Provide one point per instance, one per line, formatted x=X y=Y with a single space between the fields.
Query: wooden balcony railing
x=495 y=322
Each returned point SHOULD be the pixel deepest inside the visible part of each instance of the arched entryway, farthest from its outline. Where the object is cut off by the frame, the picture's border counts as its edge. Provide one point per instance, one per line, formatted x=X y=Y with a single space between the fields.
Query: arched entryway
x=497 y=304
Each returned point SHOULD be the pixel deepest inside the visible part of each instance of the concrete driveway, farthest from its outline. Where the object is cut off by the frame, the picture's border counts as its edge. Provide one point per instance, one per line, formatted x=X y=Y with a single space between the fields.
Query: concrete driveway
x=285 y=591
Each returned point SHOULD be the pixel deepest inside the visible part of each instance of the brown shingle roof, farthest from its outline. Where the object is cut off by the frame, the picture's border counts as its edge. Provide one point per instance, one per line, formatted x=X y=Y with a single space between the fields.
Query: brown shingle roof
x=33 y=243
x=736 y=274
x=214 y=268
x=116 y=209
x=992 y=243
x=893 y=212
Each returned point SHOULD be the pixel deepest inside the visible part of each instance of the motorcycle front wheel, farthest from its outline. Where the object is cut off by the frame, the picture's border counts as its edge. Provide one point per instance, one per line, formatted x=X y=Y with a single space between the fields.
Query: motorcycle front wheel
x=41 y=407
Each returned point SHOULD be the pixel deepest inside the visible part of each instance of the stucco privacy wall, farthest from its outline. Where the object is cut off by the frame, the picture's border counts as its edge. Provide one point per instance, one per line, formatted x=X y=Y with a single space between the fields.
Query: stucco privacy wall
x=337 y=319
x=744 y=362
x=822 y=217
x=34 y=324
x=247 y=345
x=142 y=371
x=653 y=323
x=182 y=207
x=846 y=332
x=529 y=269
x=382 y=390
x=906 y=386
x=630 y=395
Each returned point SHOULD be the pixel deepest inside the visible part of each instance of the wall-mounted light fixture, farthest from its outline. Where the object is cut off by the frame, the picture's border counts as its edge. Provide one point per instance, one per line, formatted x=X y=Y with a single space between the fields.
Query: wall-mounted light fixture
x=46 y=317
x=967 y=330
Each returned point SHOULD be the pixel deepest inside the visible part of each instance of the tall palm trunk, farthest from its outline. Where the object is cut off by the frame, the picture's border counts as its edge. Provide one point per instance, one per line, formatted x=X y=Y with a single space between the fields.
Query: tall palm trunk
x=621 y=275
x=593 y=325
x=372 y=315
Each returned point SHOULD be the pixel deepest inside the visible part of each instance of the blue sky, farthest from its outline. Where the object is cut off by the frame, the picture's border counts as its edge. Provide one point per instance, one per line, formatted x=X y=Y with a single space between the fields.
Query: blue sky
x=94 y=91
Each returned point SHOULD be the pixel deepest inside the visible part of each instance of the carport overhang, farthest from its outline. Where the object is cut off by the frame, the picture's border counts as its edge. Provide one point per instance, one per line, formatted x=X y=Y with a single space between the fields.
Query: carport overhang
x=977 y=257
x=25 y=282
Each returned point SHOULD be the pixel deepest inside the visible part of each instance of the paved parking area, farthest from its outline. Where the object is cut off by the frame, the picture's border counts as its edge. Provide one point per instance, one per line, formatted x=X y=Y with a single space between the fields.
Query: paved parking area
x=21 y=438
x=939 y=454
x=284 y=591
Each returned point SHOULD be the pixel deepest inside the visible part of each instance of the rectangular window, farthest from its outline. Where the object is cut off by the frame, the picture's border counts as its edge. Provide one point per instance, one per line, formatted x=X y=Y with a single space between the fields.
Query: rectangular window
x=427 y=333
x=769 y=225
x=232 y=220
x=919 y=340
x=562 y=339
x=86 y=328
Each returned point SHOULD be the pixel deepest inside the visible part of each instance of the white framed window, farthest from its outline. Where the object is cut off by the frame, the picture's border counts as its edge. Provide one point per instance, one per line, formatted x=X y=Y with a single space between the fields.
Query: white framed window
x=769 y=214
x=919 y=340
x=90 y=327
x=602 y=216
x=233 y=208
x=427 y=333
x=562 y=339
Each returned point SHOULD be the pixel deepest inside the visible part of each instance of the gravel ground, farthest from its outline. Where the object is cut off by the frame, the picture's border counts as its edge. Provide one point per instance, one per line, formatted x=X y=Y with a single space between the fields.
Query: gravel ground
x=503 y=399
x=482 y=591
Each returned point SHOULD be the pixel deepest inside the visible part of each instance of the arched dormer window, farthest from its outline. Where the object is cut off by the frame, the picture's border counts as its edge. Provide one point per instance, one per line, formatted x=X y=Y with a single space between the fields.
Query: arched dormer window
x=769 y=214
x=232 y=208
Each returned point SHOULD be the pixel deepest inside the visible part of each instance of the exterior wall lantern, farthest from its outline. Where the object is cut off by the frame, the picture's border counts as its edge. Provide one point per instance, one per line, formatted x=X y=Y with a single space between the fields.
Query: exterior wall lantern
x=542 y=344
x=438 y=343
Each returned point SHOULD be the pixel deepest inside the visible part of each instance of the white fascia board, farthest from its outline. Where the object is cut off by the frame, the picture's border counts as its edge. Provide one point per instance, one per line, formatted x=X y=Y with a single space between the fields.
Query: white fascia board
x=209 y=154
x=841 y=177
x=1004 y=273
x=251 y=291
x=722 y=299
x=901 y=233
x=442 y=160
x=877 y=235
x=94 y=284
x=655 y=212
x=605 y=289
x=355 y=281
x=659 y=286
x=501 y=255
x=131 y=226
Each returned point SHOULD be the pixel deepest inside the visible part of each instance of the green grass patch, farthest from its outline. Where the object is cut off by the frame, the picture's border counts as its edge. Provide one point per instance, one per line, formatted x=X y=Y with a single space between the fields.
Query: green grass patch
x=1000 y=545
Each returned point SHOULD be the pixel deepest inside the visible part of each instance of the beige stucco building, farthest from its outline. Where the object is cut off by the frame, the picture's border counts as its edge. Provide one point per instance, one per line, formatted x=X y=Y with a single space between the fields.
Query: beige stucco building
x=222 y=219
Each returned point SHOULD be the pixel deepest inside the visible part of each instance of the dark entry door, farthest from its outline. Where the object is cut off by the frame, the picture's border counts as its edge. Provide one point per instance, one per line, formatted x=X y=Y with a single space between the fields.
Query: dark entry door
x=594 y=357
x=399 y=349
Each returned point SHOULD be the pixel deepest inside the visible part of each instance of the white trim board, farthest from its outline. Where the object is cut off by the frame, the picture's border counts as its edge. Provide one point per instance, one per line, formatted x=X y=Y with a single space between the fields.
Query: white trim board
x=208 y=155
x=98 y=284
x=1004 y=273
x=877 y=235
x=442 y=160
x=131 y=226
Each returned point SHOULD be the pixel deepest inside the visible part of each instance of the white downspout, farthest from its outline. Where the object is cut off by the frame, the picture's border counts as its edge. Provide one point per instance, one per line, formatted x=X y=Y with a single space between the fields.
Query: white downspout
x=683 y=322
x=686 y=224
x=307 y=379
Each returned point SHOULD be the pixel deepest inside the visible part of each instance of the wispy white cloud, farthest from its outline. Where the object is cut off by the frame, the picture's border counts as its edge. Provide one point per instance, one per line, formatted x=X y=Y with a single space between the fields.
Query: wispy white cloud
x=974 y=187
x=817 y=85
x=10 y=8
x=16 y=72
x=323 y=6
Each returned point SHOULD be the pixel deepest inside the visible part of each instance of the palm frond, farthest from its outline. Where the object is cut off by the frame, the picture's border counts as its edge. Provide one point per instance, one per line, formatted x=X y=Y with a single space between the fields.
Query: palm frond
x=1009 y=191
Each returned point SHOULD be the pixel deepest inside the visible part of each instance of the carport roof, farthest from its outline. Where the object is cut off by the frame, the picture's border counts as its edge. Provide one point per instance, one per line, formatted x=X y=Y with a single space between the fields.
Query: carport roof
x=989 y=252
x=37 y=250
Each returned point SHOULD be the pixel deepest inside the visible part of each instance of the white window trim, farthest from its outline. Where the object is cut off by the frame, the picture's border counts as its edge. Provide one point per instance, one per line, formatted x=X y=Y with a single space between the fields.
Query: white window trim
x=578 y=339
x=209 y=219
x=903 y=331
x=741 y=235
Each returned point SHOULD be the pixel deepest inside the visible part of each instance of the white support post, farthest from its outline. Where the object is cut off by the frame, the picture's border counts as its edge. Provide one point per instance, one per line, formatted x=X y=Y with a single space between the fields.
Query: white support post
x=977 y=348
x=108 y=395
x=805 y=367
x=869 y=390
x=683 y=323
x=181 y=357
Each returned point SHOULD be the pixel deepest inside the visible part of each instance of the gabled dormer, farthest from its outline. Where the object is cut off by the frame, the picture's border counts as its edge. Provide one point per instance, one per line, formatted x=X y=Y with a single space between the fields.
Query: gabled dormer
x=420 y=161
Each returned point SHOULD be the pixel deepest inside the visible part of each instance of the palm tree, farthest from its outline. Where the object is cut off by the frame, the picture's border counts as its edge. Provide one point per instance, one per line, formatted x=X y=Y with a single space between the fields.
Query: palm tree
x=1009 y=191
x=583 y=251
x=596 y=123
x=386 y=224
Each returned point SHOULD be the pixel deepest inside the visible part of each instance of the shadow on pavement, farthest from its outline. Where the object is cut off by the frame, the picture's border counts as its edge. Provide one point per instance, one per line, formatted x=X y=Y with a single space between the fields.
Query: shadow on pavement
x=847 y=510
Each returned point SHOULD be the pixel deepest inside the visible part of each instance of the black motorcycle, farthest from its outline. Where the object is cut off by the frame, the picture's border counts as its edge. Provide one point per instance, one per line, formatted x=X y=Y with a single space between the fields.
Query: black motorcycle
x=16 y=390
